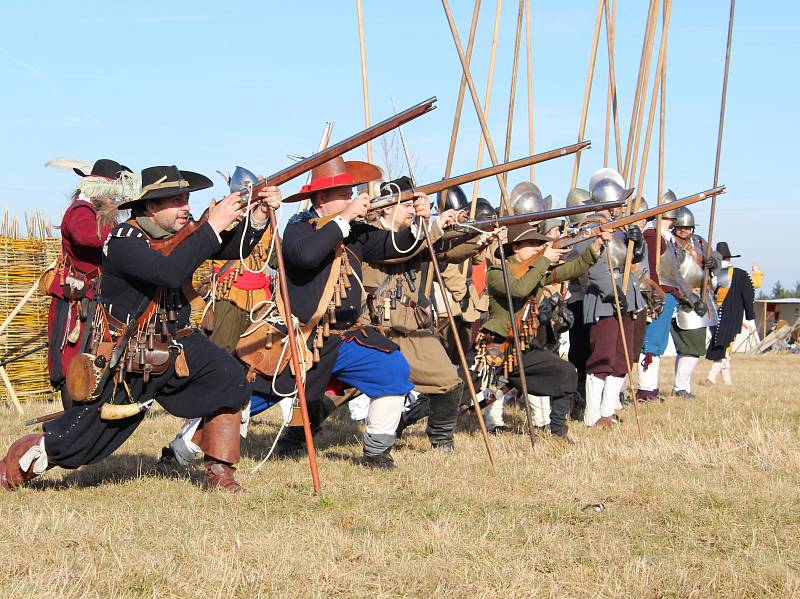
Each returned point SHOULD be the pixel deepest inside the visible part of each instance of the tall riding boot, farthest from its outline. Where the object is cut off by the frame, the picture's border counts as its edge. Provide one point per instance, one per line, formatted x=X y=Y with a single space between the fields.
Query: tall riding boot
x=25 y=460
x=220 y=442
x=443 y=408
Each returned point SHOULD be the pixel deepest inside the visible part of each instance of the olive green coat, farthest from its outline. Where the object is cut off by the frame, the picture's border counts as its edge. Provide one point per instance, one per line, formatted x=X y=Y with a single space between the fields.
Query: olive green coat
x=540 y=274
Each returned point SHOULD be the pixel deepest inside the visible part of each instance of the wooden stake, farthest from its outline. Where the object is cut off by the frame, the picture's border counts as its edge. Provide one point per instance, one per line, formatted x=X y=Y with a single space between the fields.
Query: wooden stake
x=611 y=30
x=10 y=389
x=587 y=92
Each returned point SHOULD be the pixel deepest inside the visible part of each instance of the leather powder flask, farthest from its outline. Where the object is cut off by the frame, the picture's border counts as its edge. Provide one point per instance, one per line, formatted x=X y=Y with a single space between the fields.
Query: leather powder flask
x=84 y=372
x=262 y=348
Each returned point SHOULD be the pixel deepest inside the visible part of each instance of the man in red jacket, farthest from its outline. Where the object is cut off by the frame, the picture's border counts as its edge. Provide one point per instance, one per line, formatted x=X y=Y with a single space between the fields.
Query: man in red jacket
x=87 y=222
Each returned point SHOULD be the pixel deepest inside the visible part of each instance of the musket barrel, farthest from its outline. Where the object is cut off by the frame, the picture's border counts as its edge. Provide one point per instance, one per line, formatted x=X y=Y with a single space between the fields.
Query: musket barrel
x=532 y=217
x=570 y=240
x=382 y=202
x=350 y=143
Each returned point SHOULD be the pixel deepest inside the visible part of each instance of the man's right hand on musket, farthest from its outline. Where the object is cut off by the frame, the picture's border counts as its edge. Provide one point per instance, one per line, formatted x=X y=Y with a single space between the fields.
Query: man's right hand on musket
x=222 y=214
x=357 y=208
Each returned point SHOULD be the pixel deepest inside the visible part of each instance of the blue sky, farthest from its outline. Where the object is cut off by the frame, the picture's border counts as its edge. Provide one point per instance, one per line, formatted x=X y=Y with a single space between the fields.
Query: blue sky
x=208 y=86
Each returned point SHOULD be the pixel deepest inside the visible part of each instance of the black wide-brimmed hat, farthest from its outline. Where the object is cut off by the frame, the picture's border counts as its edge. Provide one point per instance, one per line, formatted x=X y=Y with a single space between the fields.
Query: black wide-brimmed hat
x=166 y=181
x=105 y=167
x=724 y=251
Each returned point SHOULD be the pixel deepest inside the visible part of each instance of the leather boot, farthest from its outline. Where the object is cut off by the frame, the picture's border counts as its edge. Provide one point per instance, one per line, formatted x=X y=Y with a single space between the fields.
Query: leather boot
x=443 y=409
x=220 y=442
x=418 y=411
x=11 y=474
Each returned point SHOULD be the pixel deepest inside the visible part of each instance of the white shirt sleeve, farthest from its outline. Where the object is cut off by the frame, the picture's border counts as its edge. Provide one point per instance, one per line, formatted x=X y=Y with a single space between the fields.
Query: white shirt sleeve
x=343 y=225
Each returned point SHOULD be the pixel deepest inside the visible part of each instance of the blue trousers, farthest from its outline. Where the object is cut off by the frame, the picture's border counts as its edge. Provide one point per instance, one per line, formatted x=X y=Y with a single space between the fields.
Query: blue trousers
x=374 y=372
x=656 y=336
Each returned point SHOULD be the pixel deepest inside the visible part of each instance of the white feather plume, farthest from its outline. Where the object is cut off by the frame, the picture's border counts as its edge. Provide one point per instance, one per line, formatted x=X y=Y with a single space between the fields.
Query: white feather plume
x=67 y=164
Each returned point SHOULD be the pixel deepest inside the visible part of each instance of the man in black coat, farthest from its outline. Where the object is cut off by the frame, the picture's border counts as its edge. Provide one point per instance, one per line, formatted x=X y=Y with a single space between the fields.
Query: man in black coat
x=735 y=292
x=140 y=283
x=319 y=243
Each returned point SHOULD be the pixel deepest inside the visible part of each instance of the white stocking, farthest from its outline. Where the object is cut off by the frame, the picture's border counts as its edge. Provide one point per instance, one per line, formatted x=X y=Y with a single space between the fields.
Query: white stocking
x=684 y=366
x=540 y=407
x=648 y=379
x=594 y=398
x=611 y=391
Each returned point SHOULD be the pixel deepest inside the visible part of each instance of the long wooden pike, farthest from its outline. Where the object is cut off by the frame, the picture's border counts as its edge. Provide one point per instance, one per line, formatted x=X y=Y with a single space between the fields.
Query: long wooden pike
x=661 y=142
x=662 y=52
x=364 y=80
x=460 y=102
x=434 y=265
x=611 y=20
x=323 y=143
x=649 y=28
x=487 y=98
x=638 y=116
x=719 y=140
x=587 y=92
x=512 y=94
x=618 y=311
x=476 y=102
x=529 y=64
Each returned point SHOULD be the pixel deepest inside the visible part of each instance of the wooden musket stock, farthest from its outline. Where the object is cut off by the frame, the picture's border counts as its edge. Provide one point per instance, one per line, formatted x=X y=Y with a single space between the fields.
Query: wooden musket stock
x=570 y=240
x=168 y=245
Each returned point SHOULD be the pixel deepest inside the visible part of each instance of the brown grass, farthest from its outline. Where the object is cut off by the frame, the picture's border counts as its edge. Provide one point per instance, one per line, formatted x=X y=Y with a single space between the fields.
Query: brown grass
x=707 y=505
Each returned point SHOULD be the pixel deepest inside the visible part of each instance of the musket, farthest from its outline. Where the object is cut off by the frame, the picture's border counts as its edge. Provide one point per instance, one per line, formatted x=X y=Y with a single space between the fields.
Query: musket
x=295 y=170
x=591 y=232
x=391 y=199
x=388 y=200
x=488 y=224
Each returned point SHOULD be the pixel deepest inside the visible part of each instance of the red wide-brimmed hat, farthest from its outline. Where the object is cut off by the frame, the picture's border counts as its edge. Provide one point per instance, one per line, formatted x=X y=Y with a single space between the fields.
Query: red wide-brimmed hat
x=337 y=173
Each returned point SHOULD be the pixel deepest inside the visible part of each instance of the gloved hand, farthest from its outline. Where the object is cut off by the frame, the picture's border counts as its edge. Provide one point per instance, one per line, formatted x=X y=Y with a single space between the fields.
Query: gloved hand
x=545 y=310
x=623 y=301
x=698 y=305
x=634 y=234
x=711 y=263
x=565 y=318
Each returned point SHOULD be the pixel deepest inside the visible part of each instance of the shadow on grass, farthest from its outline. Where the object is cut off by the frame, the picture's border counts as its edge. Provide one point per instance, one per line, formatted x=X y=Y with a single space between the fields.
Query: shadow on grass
x=115 y=469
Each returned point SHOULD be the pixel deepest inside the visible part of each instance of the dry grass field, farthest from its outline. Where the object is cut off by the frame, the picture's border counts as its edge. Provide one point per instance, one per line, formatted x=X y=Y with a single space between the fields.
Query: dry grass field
x=708 y=505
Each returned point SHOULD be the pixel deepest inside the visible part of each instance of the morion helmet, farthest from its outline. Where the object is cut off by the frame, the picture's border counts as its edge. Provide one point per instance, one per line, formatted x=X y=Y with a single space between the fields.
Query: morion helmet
x=668 y=197
x=483 y=209
x=526 y=197
x=578 y=197
x=242 y=180
x=456 y=199
x=685 y=218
